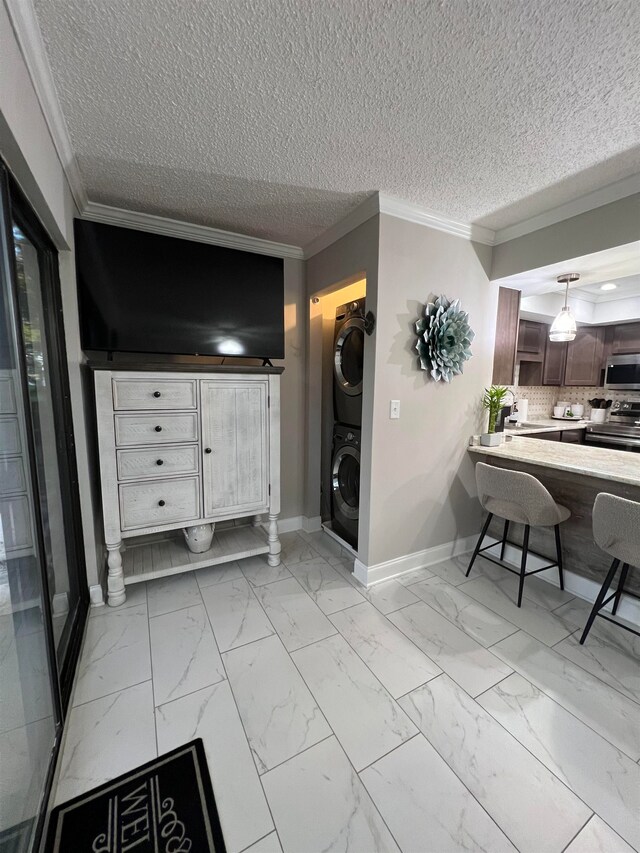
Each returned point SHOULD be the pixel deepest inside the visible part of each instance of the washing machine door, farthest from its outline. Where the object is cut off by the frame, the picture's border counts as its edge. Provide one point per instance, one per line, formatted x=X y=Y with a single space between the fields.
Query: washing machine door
x=345 y=482
x=348 y=356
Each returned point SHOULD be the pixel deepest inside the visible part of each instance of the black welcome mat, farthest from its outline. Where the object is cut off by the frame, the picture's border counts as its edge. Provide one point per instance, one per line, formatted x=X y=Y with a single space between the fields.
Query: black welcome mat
x=165 y=806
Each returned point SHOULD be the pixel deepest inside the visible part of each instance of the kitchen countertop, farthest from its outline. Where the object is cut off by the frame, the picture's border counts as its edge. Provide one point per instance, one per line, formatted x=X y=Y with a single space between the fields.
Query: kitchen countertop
x=546 y=425
x=616 y=465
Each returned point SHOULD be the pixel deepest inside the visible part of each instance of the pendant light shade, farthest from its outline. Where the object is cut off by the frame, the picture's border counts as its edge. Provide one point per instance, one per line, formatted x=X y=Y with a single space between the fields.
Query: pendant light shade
x=563 y=327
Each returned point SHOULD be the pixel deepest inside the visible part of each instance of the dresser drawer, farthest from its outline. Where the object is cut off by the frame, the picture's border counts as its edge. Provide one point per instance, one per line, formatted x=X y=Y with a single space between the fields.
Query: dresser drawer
x=155 y=429
x=152 y=504
x=164 y=462
x=154 y=394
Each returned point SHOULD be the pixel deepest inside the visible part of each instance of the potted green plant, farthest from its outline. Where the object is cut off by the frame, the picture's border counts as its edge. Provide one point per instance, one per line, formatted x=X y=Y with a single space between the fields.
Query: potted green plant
x=493 y=401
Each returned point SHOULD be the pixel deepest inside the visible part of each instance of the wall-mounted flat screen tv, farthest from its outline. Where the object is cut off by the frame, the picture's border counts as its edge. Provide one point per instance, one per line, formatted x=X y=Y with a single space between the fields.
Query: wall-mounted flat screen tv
x=146 y=293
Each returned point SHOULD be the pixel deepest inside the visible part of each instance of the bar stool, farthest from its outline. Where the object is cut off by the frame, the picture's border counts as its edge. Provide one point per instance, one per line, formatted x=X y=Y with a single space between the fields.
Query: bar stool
x=518 y=497
x=616 y=529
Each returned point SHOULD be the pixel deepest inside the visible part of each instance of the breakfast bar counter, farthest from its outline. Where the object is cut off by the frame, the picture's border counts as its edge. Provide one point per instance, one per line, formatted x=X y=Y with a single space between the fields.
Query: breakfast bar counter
x=580 y=459
x=574 y=474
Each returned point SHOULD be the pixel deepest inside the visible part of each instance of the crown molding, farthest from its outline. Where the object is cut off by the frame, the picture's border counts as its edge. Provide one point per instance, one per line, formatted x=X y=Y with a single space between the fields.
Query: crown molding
x=431 y=219
x=365 y=210
x=187 y=230
x=582 y=204
x=381 y=203
x=27 y=31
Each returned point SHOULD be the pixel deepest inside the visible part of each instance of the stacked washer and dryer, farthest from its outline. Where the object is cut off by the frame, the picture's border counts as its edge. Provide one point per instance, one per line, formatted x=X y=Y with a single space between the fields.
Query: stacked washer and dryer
x=348 y=355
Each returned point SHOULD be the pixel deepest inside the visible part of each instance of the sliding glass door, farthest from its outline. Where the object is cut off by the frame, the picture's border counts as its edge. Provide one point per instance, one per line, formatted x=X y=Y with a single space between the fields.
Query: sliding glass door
x=42 y=603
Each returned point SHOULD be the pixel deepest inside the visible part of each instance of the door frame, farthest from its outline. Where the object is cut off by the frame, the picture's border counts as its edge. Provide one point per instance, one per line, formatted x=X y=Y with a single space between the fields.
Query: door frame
x=15 y=207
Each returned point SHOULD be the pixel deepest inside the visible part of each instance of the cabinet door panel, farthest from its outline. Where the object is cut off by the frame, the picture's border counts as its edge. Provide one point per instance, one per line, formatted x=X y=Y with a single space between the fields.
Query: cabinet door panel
x=234 y=430
x=585 y=356
x=554 y=363
x=531 y=338
x=626 y=339
x=504 y=357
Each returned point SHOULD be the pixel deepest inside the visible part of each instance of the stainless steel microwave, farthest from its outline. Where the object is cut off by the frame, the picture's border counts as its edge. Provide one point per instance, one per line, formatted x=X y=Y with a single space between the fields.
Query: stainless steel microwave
x=622 y=373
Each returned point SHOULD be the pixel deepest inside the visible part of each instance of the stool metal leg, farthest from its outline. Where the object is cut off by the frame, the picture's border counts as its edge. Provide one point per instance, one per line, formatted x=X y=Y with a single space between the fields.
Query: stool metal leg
x=479 y=542
x=559 y=555
x=623 y=580
x=601 y=596
x=523 y=562
x=504 y=538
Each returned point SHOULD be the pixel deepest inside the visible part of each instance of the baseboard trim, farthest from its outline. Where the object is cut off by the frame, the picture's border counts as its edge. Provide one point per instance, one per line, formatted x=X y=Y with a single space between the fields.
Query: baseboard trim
x=368 y=575
x=581 y=587
x=96 y=595
x=288 y=525
x=299 y=522
x=311 y=524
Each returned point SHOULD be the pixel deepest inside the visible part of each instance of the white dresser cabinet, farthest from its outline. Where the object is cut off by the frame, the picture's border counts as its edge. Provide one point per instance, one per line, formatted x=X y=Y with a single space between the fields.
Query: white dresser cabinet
x=185 y=448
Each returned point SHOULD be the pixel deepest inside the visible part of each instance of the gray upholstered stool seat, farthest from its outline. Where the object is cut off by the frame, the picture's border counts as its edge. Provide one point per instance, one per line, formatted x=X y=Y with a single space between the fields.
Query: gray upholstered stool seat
x=616 y=530
x=517 y=497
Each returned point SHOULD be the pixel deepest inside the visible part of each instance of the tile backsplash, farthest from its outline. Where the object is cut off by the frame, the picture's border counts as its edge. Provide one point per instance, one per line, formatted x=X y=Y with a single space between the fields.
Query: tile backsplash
x=542 y=398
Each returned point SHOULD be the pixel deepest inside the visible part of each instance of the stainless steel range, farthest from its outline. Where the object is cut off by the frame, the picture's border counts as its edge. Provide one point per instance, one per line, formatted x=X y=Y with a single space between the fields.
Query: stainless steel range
x=622 y=432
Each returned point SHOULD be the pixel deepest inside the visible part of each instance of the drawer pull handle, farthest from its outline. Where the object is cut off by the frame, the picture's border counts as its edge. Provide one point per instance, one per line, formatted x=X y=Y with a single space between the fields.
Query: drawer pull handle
x=158 y=429
x=157 y=394
x=207 y=450
x=159 y=461
x=160 y=503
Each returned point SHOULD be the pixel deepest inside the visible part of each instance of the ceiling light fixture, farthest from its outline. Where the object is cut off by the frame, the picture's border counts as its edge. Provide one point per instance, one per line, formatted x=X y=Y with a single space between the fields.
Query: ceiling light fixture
x=563 y=327
x=608 y=286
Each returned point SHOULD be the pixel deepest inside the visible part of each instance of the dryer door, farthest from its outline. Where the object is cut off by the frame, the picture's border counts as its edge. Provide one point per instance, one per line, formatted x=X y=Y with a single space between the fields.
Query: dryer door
x=349 y=355
x=345 y=482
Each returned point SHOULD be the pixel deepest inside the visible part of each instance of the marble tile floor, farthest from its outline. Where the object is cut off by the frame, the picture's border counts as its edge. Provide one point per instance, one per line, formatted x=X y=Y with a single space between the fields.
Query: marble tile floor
x=423 y=715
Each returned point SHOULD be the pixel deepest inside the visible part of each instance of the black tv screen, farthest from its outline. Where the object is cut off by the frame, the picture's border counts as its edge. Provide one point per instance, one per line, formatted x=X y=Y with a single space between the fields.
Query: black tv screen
x=147 y=293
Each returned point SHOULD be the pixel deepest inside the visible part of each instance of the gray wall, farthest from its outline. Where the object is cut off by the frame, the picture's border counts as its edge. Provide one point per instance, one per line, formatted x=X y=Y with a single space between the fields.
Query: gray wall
x=293 y=390
x=614 y=224
x=422 y=479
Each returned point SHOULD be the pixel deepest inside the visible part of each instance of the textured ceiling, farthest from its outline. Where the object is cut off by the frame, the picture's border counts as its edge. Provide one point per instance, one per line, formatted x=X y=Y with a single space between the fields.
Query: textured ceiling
x=275 y=117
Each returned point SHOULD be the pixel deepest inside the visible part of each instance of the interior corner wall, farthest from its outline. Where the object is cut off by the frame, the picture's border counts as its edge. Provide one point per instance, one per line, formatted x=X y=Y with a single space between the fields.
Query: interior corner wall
x=351 y=257
x=614 y=224
x=292 y=395
x=27 y=148
x=422 y=478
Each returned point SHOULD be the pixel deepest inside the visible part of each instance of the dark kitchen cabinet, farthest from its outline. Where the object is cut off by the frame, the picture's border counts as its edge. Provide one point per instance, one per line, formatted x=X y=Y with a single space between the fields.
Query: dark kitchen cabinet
x=504 y=355
x=585 y=355
x=626 y=339
x=572 y=436
x=531 y=340
x=555 y=359
x=546 y=436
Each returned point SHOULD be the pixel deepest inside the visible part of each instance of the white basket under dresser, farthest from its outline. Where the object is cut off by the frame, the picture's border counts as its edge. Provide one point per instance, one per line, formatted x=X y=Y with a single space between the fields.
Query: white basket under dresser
x=181 y=448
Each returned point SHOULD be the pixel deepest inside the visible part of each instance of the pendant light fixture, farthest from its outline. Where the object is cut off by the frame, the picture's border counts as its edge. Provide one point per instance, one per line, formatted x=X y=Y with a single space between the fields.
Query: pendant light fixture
x=563 y=327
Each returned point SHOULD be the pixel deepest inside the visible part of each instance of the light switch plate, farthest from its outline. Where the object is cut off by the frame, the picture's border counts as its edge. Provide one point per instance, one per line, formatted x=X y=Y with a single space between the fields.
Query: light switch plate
x=394 y=409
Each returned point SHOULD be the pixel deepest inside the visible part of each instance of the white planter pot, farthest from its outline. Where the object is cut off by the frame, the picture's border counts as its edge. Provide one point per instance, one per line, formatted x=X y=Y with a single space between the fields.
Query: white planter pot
x=199 y=537
x=491 y=439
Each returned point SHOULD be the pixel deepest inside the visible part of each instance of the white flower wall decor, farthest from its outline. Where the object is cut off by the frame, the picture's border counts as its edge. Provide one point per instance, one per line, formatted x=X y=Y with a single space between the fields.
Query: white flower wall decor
x=444 y=338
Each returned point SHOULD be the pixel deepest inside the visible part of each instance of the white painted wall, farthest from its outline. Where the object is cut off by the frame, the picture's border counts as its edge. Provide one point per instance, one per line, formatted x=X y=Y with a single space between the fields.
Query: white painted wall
x=27 y=148
x=422 y=491
x=545 y=306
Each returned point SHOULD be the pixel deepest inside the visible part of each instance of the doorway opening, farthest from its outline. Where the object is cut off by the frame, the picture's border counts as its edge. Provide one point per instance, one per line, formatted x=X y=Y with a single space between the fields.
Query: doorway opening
x=337 y=344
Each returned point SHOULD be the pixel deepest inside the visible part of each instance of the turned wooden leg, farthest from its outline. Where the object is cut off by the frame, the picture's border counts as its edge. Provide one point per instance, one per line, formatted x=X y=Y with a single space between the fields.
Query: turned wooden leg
x=274 y=542
x=257 y=520
x=115 y=579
